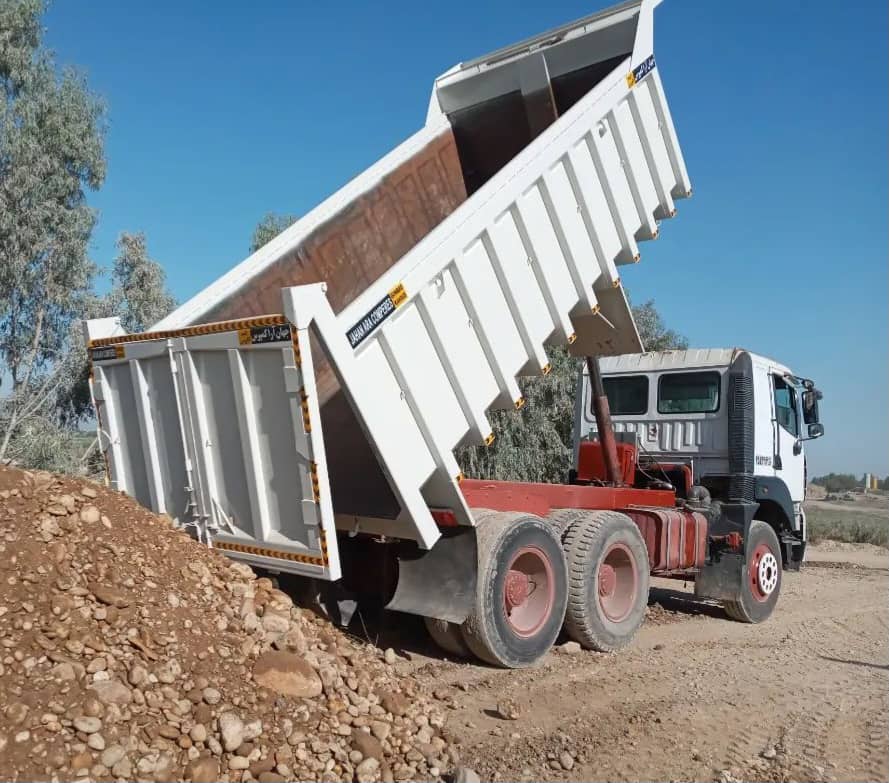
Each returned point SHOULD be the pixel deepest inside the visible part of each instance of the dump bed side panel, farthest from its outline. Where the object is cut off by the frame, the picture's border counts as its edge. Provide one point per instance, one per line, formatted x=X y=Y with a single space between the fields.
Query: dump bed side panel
x=442 y=337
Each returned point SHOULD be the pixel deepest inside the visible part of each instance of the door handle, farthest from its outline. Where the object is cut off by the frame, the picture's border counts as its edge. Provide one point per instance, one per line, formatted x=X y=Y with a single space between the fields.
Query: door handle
x=797 y=448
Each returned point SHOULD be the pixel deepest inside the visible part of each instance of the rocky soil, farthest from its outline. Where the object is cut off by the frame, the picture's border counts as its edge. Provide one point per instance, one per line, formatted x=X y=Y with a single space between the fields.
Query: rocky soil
x=130 y=652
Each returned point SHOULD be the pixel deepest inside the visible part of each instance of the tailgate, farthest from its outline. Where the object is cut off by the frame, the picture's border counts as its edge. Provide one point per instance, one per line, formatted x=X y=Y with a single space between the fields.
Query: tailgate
x=213 y=425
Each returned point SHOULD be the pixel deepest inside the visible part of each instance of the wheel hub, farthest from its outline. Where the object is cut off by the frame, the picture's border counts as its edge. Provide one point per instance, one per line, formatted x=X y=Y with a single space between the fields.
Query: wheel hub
x=607 y=580
x=528 y=591
x=517 y=589
x=764 y=572
x=617 y=582
x=767 y=573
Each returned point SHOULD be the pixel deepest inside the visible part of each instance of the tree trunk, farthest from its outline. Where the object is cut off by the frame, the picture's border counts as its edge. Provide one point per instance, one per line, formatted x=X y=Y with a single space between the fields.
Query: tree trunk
x=14 y=419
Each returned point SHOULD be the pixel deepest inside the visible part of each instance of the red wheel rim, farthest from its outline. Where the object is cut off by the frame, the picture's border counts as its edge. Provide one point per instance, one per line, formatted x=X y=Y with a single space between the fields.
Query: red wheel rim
x=762 y=572
x=617 y=582
x=528 y=591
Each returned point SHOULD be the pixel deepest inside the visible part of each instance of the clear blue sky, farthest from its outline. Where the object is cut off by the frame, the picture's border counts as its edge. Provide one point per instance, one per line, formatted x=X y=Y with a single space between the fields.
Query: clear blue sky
x=221 y=112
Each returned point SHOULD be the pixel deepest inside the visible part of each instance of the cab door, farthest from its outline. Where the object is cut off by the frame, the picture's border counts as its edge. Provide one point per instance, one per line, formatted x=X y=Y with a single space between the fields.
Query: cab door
x=789 y=459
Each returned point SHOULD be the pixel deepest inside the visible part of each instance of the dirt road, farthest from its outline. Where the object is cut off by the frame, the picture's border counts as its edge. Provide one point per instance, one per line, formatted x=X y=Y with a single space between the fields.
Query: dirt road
x=697 y=697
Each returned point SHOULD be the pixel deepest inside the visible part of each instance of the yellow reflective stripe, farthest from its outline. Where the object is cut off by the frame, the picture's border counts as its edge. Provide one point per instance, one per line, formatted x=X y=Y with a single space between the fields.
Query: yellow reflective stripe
x=304 y=404
x=398 y=295
x=316 y=487
x=193 y=331
x=261 y=551
x=297 y=354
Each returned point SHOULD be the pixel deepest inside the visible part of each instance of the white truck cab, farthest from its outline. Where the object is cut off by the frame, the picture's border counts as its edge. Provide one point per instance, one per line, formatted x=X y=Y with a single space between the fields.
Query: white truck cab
x=725 y=419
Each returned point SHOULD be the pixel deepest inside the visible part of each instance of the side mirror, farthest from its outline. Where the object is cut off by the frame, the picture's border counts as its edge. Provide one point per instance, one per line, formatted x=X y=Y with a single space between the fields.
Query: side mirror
x=816 y=430
x=810 y=408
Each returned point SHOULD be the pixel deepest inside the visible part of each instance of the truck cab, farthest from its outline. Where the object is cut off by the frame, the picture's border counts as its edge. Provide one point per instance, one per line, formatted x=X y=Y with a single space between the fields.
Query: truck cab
x=726 y=419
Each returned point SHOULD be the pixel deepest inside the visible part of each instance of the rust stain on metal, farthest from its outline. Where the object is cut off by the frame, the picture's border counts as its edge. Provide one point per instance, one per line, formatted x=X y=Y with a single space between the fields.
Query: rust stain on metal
x=362 y=241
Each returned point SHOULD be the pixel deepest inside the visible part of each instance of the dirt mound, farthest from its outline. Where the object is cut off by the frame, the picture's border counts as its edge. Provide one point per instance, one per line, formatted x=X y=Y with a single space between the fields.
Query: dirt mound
x=129 y=651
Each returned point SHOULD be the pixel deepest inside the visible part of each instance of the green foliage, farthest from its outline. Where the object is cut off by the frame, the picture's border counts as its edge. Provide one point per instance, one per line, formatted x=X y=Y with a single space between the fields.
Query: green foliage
x=269 y=227
x=837 y=482
x=534 y=444
x=654 y=332
x=138 y=296
x=43 y=444
x=850 y=526
x=52 y=137
x=138 y=293
x=51 y=152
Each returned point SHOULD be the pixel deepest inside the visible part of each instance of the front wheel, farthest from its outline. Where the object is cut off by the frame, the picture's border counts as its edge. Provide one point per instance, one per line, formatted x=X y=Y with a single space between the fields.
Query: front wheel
x=761 y=583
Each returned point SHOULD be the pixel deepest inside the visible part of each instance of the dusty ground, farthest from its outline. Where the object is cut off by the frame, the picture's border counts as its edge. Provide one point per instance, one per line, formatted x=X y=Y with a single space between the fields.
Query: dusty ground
x=697 y=697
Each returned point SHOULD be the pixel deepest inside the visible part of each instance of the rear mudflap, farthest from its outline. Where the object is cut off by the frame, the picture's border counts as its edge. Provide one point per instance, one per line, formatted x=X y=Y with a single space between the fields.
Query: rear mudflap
x=439 y=582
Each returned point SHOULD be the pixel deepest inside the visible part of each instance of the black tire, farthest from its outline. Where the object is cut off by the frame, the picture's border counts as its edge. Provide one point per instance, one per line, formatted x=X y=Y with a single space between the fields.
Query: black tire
x=448 y=637
x=755 y=603
x=592 y=542
x=562 y=518
x=492 y=631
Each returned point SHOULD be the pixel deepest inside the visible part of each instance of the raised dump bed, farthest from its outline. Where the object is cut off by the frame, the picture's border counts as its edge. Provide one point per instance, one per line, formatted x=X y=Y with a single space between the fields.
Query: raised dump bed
x=409 y=303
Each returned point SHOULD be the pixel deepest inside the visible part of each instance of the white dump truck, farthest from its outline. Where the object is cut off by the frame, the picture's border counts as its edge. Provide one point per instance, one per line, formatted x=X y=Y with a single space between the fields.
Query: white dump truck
x=301 y=413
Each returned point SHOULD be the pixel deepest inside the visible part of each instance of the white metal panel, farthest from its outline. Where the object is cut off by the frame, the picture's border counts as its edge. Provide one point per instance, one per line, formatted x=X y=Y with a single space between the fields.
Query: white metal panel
x=388 y=412
x=654 y=361
x=565 y=209
x=380 y=406
x=613 y=175
x=122 y=420
x=425 y=375
x=655 y=149
x=216 y=425
x=494 y=324
x=517 y=277
x=594 y=208
x=547 y=255
x=696 y=436
x=167 y=435
x=639 y=178
x=463 y=355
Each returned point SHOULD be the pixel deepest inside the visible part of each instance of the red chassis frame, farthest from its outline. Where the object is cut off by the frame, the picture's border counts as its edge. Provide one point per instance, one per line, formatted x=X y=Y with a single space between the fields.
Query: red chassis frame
x=676 y=538
x=541 y=499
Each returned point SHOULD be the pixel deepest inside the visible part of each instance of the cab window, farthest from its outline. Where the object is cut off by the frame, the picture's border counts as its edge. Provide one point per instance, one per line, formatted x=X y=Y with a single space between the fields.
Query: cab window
x=627 y=395
x=785 y=405
x=688 y=392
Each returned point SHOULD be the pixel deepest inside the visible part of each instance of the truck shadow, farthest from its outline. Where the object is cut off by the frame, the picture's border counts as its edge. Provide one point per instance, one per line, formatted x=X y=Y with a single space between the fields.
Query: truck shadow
x=406 y=634
x=664 y=600
x=850 y=662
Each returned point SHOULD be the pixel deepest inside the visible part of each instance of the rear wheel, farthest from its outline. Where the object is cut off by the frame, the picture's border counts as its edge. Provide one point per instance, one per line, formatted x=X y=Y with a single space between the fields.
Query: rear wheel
x=608 y=578
x=521 y=591
x=761 y=585
x=447 y=636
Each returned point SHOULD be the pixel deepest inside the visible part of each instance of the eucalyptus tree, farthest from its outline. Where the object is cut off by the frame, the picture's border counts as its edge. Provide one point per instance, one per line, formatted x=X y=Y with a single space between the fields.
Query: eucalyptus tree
x=52 y=132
